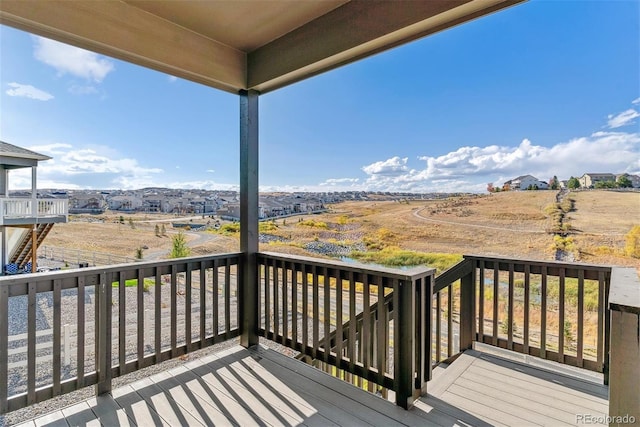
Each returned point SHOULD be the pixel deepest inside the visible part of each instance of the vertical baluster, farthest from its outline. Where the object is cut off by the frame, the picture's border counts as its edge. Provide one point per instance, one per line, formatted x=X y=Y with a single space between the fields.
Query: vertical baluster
x=316 y=317
x=496 y=294
x=285 y=304
x=580 y=342
x=215 y=309
x=381 y=348
x=607 y=327
x=543 y=312
x=327 y=314
x=157 y=309
x=122 y=325
x=366 y=322
x=276 y=302
x=351 y=342
x=510 y=318
x=140 y=323
x=4 y=344
x=601 y=318
x=294 y=305
x=561 y=317
x=527 y=285
x=227 y=296
x=174 y=314
x=31 y=344
x=203 y=302
x=57 y=333
x=481 y=304
x=188 y=289
x=438 y=326
x=339 y=321
x=305 y=308
x=450 y=297
x=80 y=332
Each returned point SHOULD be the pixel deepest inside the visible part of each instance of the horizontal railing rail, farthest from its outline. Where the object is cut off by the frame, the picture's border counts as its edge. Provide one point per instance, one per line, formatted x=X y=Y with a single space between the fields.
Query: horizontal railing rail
x=192 y=303
x=17 y=207
x=306 y=303
x=80 y=256
x=553 y=310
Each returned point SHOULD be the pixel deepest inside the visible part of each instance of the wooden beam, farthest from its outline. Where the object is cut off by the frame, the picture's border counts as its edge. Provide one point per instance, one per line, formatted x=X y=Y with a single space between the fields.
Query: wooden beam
x=354 y=31
x=125 y=32
x=34 y=248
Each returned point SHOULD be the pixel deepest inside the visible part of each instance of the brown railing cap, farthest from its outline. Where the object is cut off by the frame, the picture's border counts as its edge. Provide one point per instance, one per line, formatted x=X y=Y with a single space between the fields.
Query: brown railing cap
x=624 y=294
x=401 y=274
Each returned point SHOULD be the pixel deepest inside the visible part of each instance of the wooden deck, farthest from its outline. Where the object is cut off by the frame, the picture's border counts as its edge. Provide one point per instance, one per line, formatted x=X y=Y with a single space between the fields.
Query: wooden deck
x=261 y=387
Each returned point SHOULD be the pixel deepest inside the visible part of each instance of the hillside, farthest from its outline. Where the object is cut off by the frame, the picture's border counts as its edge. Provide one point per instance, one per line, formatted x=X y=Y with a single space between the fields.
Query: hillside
x=511 y=224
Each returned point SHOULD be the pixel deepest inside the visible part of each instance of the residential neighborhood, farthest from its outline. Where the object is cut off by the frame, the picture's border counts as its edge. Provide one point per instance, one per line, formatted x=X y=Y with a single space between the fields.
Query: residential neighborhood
x=586 y=181
x=225 y=204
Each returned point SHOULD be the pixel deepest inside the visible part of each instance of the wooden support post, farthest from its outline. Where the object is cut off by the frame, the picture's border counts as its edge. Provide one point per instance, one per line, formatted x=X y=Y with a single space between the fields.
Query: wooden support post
x=624 y=363
x=34 y=248
x=248 y=284
x=404 y=331
x=467 y=312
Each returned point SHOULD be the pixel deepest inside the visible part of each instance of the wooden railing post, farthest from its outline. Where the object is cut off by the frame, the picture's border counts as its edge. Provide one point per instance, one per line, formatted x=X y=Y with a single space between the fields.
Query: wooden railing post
x=404 y=332
x=103 y=294
x=467 y=308
x=624 y=356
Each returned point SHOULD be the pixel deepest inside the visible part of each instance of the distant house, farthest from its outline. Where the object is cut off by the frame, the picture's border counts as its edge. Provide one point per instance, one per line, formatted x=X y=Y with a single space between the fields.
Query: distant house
x=125 y=203
x=635 y=179
x=589 y=180
x=526 y=182
x=87 y=203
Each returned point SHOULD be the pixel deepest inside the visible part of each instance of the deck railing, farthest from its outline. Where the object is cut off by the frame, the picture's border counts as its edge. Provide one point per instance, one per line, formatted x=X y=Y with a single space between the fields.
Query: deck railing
x=553 y=310
x=190 y=303
x=311 y=306
x=384 y=326
x=23 y=207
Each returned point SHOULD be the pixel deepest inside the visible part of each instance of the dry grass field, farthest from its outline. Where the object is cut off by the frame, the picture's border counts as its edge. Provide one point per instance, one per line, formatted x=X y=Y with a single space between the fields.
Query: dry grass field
x=511 y=224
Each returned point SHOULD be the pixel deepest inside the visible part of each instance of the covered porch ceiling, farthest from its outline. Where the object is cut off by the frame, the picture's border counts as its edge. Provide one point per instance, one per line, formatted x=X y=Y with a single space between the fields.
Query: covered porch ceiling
x=236 y=45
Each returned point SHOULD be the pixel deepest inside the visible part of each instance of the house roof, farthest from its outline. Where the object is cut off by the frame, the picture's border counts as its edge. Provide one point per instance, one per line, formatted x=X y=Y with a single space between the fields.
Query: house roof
x=10 y=150
x=241 y=45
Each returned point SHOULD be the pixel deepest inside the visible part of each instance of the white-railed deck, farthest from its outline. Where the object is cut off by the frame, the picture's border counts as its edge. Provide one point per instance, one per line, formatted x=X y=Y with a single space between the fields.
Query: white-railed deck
x=19 y=211
x=263 y=387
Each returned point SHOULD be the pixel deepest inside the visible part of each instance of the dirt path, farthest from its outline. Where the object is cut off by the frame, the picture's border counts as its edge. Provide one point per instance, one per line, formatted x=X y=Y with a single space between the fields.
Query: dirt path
x=463 y=224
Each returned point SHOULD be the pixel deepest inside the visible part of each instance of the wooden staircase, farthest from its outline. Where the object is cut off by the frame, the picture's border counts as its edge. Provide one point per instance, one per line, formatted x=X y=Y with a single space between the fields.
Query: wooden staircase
x=22 y=253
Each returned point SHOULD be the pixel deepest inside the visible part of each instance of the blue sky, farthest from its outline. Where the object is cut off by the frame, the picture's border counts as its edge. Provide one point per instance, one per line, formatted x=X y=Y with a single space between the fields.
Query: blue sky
x=544 y=88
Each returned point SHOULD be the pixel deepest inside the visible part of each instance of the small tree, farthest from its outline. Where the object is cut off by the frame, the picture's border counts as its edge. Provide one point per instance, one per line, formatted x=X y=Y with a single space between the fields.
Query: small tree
x=179 y=246
x=554 y=184
x=573 y=183
x=632 y=242
x=131 y=224
x=157 y=230
x=624 y=182
x=163 y=230
x=139 y=253
x=490 y=187
x=121 y=219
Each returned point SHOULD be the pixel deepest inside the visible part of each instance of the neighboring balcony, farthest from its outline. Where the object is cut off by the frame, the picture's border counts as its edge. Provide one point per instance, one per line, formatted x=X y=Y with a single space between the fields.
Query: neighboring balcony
x=25 y=211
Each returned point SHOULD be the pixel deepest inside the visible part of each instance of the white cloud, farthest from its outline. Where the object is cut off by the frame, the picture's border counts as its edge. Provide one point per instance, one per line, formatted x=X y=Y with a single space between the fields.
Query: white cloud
x=210 y=171
x=470 y=168
x=96 y=167
x=636 y=101
x=622 y=119
x=28 y=91
x=172 y=79
x=339 y=181
x=72 y=60
x=392 y=166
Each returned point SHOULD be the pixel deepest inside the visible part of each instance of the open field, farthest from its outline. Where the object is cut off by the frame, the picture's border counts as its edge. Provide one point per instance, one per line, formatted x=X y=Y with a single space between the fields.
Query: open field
x=511 y=224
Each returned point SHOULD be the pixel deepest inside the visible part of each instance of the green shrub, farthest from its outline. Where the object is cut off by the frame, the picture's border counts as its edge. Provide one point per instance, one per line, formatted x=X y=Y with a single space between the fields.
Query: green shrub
x=396 y=257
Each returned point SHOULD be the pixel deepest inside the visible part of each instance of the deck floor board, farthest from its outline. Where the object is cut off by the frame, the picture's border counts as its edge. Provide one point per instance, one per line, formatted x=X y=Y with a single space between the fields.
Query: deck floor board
x=260 y=387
